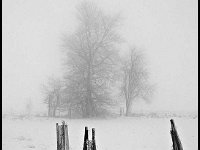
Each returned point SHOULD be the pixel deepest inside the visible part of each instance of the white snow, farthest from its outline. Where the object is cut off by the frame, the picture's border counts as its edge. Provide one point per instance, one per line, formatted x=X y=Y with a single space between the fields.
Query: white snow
x=124 y=133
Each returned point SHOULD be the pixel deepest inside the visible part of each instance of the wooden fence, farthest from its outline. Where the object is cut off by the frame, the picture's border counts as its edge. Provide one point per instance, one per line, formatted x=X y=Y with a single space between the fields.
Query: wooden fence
x=63 y=140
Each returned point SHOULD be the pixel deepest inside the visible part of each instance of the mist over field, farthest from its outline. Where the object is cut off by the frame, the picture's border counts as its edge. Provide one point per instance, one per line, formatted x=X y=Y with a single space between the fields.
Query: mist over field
x=128 y=69
x=165 y=30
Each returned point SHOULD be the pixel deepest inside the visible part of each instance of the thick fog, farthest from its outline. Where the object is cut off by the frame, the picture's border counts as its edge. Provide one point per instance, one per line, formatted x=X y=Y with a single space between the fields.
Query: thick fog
x=165 y=30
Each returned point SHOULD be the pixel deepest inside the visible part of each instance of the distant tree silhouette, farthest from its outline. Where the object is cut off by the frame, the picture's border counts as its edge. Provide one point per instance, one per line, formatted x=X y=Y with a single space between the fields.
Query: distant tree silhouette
x=135 y=82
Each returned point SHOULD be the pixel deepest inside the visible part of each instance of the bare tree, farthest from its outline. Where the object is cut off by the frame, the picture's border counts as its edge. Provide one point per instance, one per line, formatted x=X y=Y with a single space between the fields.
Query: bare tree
x=52 y=92
x=91 y=55
x=135 y=79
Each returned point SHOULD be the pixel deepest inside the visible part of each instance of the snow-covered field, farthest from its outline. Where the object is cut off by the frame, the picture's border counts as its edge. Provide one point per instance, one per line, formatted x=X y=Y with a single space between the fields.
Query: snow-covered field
x=125 y=133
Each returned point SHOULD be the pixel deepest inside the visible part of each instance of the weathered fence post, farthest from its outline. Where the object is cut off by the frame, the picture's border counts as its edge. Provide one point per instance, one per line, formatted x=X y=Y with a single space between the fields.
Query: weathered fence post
x=175 y=138
x=57 y=134
x=62 y=136
x=89 y=144
x=93 y=140
x=66 y=138
x=85 y=144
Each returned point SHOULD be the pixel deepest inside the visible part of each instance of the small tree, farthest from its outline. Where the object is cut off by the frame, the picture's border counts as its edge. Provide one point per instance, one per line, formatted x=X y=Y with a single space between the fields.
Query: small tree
x=52 y=92
x=135 y=79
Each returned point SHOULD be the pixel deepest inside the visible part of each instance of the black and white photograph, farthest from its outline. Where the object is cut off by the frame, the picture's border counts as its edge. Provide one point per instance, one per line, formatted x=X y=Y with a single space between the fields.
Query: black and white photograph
x=99 y=74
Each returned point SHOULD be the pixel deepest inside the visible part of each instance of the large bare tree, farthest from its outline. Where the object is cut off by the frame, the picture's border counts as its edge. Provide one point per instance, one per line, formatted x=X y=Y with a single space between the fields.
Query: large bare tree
x=91 y=56
x=135 y=83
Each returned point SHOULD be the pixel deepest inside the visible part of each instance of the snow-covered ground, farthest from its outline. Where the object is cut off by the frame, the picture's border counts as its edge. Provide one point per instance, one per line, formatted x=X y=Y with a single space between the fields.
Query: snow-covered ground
x=125 y=133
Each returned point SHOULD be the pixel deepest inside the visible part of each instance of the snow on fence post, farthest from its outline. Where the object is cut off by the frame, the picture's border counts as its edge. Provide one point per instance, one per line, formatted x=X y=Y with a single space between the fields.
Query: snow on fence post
x=175 y=138
x=62 y=136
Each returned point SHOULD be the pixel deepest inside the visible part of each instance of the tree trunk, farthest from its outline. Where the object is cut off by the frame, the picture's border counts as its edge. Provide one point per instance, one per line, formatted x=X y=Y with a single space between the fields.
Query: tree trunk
x=89 y=106
x=54 y=112
x=127 y=112
x=49 y=108
x=58 y=103
x=127 y=107
x=70 y=113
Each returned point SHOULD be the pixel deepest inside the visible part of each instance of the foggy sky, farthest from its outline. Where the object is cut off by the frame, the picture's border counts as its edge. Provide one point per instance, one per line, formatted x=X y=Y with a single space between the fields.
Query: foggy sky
x=166 y=31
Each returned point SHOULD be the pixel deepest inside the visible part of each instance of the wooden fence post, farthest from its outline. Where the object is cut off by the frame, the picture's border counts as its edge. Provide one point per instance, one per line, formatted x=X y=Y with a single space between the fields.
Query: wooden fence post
x=93 y=140
x=85 y=144
x=66 y=138
x=89 y=144
x=57 y=133
x=175 y=138
x=62 y=136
